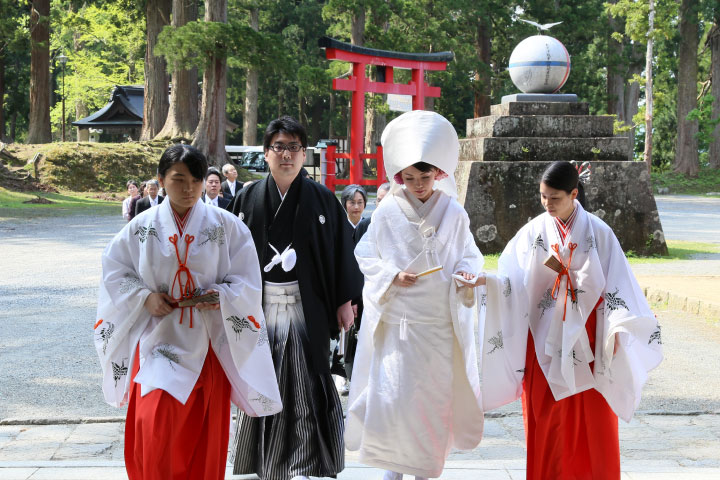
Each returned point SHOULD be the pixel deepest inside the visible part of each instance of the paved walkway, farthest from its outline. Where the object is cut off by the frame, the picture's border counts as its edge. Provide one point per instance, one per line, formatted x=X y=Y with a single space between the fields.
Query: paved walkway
x=673 y=447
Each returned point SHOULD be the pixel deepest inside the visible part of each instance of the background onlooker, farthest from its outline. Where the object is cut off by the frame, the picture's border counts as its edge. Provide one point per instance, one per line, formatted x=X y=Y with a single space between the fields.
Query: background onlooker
x=230 y=187
x=151 y=199
x=212 y=189
x=136 y=198
x=132 y=189
x=354 y=201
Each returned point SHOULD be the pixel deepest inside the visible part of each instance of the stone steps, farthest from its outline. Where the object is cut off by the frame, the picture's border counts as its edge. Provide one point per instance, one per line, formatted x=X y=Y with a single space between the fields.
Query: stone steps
x=543 y=149
x=540 y=126
x=540 y=108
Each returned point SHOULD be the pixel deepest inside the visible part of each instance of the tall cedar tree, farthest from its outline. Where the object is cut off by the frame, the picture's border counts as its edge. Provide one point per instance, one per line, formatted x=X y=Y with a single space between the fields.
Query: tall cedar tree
x=251 y=91
x=686 y=145
x=210 y=133
x=156 y=105
x=182 y=118
x=39 y=128
x=714 y=41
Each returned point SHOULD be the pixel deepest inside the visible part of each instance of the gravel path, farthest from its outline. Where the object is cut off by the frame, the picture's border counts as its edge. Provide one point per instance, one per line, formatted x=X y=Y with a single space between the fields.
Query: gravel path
x=48 y=296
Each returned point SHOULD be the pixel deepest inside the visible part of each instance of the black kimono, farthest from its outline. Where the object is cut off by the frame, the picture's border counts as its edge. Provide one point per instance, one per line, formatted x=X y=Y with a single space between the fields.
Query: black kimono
x=310 y=220
x=326 y=269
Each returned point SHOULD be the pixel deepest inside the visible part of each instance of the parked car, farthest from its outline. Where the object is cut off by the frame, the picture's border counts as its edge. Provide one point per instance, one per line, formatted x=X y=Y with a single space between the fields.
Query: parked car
x=249 y=158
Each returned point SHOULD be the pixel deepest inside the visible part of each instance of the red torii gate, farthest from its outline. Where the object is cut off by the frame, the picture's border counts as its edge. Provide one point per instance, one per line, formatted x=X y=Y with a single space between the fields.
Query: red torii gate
x=359 y=84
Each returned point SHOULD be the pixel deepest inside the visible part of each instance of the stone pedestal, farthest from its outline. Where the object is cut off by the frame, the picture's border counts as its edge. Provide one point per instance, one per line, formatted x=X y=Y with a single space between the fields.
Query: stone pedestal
x=505 y=154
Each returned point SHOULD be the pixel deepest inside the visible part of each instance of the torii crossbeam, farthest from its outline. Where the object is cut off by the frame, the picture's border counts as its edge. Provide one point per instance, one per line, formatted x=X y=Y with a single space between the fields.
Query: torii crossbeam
x=359 y=84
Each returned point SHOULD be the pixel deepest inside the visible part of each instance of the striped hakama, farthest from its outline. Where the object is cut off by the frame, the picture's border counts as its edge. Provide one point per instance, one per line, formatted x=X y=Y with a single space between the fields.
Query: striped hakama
x=306 y=437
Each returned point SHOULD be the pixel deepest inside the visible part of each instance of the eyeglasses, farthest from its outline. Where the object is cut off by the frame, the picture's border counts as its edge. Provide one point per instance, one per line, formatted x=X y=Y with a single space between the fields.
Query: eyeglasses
x=280 y=147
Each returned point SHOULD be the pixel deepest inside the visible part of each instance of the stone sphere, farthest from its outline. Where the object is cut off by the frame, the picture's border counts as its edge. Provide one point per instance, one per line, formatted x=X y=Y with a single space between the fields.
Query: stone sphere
x=539 y=64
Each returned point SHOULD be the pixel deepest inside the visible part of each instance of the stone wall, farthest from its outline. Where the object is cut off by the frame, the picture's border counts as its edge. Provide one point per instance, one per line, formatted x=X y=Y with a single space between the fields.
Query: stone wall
x=500 y=197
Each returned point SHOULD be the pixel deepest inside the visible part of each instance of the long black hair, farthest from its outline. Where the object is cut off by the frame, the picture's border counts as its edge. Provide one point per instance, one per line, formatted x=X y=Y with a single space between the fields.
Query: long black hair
x=187 y=154
x=564 y=176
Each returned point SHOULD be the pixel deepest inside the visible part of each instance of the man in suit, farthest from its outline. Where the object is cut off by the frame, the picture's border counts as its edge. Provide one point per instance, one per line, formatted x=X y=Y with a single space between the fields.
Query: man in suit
x=151 y=197
x=230 y=187
x=212 y=189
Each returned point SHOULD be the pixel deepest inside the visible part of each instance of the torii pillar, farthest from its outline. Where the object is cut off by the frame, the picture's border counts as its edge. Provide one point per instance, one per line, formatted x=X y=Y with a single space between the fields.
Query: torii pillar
x=359 y=84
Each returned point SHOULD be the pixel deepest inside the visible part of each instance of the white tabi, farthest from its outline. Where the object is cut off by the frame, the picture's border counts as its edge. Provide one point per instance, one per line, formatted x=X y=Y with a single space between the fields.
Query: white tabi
x=415 y=390
x=141 y=260
x=521 y=296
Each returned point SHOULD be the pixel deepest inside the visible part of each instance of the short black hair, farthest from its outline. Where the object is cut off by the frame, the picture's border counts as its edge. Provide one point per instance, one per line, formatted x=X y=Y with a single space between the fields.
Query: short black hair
x=285 y=124
x=563 y=175
x=213 y=171
x=131 y=182
x=349 y=192
x=189 y=155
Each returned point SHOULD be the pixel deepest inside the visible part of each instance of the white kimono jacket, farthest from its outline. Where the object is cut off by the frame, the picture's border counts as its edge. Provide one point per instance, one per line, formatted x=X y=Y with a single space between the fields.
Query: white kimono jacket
x=521 y=296
x=415 y=390
x=141 y=260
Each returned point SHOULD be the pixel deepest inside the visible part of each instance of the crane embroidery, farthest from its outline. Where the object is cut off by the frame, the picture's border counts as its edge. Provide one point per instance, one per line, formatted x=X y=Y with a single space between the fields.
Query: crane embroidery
x=130 y=283
x=119 y=371
x=547 y=301
x=265 y=402
x=539 y=242
x=144 y=233
x=496 y=342
x=240 y=324
x=166 y=351
x=214 y=234
x=614 y=302
x=105 y=334
x=655 y=336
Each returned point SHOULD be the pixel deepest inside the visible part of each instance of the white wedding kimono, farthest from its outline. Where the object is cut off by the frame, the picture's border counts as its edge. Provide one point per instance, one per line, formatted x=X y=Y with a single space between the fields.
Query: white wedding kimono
x=415 y=390
x=521 y=297
x=140 y=260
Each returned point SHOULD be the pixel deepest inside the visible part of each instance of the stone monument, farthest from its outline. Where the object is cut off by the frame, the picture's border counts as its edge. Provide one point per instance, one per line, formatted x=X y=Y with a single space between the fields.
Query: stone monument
x=505 y=154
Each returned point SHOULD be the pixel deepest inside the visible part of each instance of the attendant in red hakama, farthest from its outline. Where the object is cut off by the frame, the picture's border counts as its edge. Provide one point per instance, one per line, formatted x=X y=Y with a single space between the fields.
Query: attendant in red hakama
x=567 y=328
x=180 y=331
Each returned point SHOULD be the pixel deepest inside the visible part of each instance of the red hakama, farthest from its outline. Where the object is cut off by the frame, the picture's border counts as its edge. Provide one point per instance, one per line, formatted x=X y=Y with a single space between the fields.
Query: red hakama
x=574 y=438
x=165 y=439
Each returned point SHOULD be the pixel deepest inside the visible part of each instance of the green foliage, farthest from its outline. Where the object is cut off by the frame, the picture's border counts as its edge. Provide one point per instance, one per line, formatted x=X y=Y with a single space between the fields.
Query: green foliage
x=105 y=47
x=707 y=181
x=677 y=250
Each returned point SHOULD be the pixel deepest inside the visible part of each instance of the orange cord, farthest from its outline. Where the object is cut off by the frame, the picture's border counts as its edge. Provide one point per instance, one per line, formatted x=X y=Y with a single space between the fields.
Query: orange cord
x=564 y=272
x=186 y=290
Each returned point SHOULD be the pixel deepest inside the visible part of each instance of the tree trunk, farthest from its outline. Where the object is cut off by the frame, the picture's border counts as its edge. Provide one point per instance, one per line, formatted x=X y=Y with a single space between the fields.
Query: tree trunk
x=632 y=96
x=714 y=40
x=251 y=92
x=155 y=108
x=2 y=96
x=210 y=133
x=81 y=111
x=482 y=77
x=39 y=122
x=647 y=154
x=615 y=84
x=357 y=29
x=182 y=117
x=686 y=147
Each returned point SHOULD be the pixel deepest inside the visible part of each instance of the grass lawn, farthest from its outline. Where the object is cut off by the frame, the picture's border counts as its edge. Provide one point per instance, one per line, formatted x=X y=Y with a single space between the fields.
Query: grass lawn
x=12 y=204
x=679 y=250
